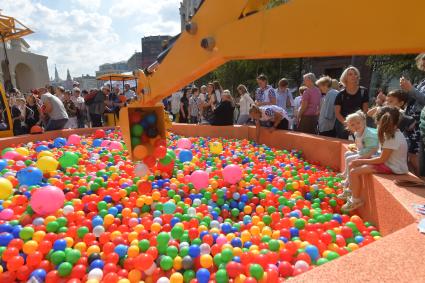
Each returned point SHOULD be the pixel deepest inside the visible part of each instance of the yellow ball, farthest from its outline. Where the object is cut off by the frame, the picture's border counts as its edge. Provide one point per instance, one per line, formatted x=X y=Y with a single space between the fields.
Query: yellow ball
x=6 y=188
x=216 y=147
x=134 y=276
x=206 y=261
x=47 y=164
x=23 y=151
x=44 y=153
x=124 y=280
x=177 y=263
x=30 y=247
x=176 y=278
x=92 y=250
x=353 y=246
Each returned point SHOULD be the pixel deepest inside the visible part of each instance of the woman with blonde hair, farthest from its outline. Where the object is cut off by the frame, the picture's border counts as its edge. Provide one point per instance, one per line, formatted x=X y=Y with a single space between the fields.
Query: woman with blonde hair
x=349 y=100
x=245 y=104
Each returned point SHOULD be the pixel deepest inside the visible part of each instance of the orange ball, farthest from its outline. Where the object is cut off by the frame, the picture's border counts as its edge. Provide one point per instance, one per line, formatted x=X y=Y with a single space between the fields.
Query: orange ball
x=140 y=152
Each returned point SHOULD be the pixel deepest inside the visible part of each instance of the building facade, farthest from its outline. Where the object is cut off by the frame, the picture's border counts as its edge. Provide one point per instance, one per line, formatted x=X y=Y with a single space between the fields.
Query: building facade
x=136 y=61
x=27 y=70
x=87 y=82
x=152 y=46
x=188 y=8
x=108 y=68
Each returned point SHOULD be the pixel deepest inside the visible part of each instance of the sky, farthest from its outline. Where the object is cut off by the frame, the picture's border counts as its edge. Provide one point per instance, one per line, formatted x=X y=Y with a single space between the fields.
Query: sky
x=80 y=35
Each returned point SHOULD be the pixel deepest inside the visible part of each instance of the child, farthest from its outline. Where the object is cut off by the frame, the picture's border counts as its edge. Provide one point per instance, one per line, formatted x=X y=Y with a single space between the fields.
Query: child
x=297 y=106
x=397 y=98
x=366 y=144
x=269 y=113
x=71 y=110
x=392 y=160
x=194 y=106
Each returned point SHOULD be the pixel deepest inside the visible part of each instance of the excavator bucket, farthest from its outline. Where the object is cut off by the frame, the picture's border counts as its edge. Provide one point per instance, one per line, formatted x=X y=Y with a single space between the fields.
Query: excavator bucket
x=144 y=129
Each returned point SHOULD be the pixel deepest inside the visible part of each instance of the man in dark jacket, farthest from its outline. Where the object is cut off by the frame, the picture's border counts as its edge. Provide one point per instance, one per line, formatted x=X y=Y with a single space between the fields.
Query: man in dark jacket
x=223 y=114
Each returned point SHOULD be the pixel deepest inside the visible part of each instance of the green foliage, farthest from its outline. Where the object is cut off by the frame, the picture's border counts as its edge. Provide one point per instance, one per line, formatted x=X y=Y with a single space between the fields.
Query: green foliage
x=394 y=66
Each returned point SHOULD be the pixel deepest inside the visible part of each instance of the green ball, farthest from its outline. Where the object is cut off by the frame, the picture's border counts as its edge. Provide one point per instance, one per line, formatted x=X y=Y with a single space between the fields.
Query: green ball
x=256 y=271
x=332 y=255
x=177 y=232
x=7 y=149
x=26 y=233
x=188 y=275
x=73 y=256
x=217 y=259
x=274 y=245
x=136 y=130
x=64 y=269
x=144 y=245
x=52 y=226
x=82 y=231
x=58 y=257
x=68 y=159
x=226 y=255
x=166 y=160
x=221 y=276
x=299 y=223
x=321 y=261
x=166 y=263
x=135 y=141
x=172 y=251
x=163 y=238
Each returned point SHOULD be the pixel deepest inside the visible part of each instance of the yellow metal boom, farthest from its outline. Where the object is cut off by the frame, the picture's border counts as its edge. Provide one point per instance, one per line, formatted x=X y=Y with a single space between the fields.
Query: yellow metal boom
x=243 y=29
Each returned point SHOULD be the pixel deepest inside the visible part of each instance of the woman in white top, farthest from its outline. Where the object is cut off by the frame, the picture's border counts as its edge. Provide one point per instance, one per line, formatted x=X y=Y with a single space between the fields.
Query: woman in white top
x=274 y=114
x=245 y=104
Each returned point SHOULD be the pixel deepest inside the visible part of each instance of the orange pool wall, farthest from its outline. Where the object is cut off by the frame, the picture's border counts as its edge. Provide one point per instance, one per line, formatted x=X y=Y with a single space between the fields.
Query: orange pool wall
x=398 y=257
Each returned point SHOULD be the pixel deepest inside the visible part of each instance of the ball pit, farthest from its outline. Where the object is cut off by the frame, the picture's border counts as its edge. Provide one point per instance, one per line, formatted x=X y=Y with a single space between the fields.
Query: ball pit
x=269 y=216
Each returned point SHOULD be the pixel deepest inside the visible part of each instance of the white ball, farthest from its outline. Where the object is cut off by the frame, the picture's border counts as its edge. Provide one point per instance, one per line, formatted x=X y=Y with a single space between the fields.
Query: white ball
x=302 y=265
x=96 y=274
x=98 y=231
x=163 y=280
x=67 y=209
x=197 y=202
x=141 y=170
x=191 y=212
x=150 y=270
x=205 y=249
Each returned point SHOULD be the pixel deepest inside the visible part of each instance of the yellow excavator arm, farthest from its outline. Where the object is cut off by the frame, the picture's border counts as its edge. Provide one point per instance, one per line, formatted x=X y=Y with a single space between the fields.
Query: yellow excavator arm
x=224 y=30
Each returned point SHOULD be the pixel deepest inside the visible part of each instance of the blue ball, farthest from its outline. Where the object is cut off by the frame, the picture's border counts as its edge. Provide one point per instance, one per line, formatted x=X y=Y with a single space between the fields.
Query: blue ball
x=294 y=232
x=236 y=242
x=59 y=245
x=97 y=263
x=29 y=176
x=312 y=251
x=3 y=164
x=359 y=239
x=226 y=228
x=39 y=274
x=41 y=148
x=5 y=239
x=59 y=142
x=97 y=221
x=6 y=227
x=121 y=250
x=185 y=155
x=194 y=251
x=97 y=142
x=151 y=119
x=203 y=275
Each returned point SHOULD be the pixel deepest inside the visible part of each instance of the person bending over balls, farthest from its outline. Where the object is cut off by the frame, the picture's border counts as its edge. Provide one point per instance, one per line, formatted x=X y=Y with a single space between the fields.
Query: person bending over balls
x=271 y=114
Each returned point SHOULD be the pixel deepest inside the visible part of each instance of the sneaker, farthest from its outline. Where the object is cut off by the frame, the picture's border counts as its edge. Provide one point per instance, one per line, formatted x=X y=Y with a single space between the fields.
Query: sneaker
x=345 y=194
x=352 y=204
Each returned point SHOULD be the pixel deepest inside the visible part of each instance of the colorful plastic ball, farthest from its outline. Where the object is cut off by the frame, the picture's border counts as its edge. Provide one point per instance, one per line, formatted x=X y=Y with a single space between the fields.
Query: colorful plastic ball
x=256 y=271
x=39 y=274
x=160 y=151
x=302 y=265
x=216 y=148
x=96 y=274
x=74 y=140
x=184 y=143
x=6 y=188
x=199 y=179
x=169 y=207
x=59 y=142
x=166 y=263
x=185 y=155
x=313 y=252
x=151 y=119
x=115 y=145
x=47 y=200
x=140 y=152
x=97 y=143
x=23 y=151
x=29 y=176
x=141 y=170
x=3 y=164
x=64 y=269
x=232 y=173
x=203 y=275
x=99 y=134
x=68 y=159
x=47 y=164
x=6 y=214
x=13 y=155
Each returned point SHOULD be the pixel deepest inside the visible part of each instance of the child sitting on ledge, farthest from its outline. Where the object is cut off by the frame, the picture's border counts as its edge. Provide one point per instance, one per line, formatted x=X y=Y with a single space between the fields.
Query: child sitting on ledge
x=366 y=144
x=392 y=160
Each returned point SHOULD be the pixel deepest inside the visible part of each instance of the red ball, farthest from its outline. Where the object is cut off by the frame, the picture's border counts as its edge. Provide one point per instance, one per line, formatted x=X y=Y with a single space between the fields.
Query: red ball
x=285 y=269
x=160 y=151
x=143 y=261
x=99 y=134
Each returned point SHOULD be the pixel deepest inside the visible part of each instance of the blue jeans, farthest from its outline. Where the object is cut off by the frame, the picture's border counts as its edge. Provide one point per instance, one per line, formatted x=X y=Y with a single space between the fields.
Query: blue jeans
x=53 y=125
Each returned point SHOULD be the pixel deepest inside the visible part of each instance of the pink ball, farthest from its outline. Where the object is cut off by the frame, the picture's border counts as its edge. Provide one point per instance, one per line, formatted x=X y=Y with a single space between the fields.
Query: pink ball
x=13 y=155
x=47 y=200
x=115 y=145
x=199 y=179
x=221 y=240
x=105 y=143
x=232 y=174
x=74 y=140
x=184 y=143
x=6 y=214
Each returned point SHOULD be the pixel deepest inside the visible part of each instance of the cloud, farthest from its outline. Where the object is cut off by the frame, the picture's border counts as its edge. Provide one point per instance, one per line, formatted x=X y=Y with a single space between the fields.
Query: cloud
x=81 y=38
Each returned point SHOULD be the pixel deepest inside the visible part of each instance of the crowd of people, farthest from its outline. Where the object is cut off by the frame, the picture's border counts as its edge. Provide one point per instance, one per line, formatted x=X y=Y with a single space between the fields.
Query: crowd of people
x=324 y=106
x=51 y=108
